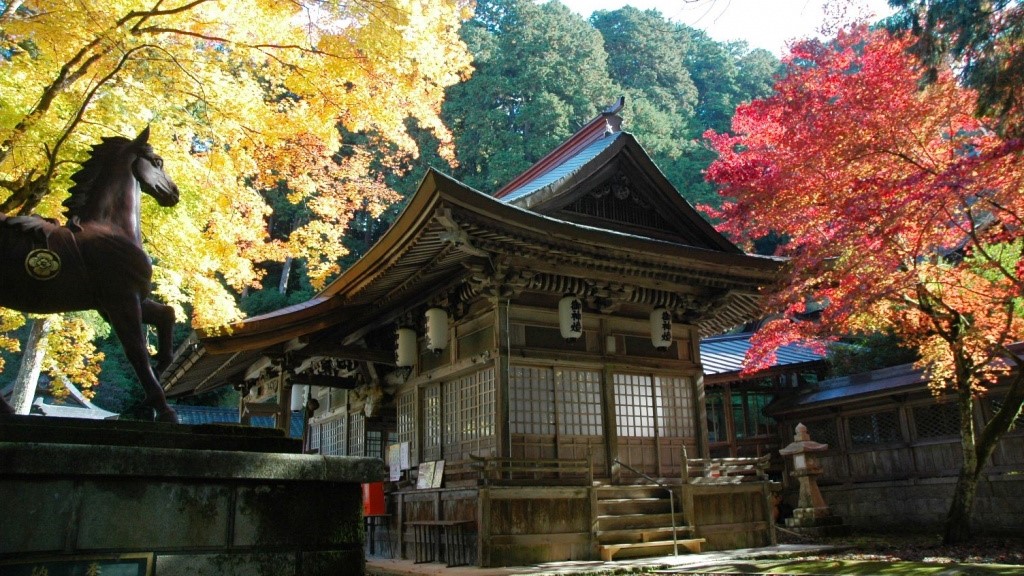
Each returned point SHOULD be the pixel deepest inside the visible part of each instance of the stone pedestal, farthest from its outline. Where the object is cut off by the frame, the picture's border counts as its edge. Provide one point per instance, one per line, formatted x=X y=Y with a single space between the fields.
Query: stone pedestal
x=167 y=500
x=816 y=522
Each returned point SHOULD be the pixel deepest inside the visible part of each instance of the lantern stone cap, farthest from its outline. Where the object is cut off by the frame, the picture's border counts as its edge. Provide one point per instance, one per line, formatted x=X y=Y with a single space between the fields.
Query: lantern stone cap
x=802 y=443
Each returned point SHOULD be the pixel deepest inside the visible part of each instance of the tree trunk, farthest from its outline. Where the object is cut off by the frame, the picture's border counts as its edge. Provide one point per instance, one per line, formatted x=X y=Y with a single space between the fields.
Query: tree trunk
x=977 y=449
x=31 y=363
x=958 y=520
x=286 y=272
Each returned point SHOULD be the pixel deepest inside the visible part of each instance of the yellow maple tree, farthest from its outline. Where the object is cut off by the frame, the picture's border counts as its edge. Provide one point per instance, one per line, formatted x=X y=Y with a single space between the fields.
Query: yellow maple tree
x=238 y=93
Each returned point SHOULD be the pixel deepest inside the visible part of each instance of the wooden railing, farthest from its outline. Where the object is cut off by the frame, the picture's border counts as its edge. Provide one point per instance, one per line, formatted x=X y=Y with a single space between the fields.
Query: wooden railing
x=724 y=470
x=540 y=471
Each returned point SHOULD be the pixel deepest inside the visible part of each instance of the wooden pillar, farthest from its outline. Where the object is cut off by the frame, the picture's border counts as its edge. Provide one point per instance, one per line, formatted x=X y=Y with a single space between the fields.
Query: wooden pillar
x=611 y=432
x=502 y=326
x=483 y=527
x=284 y=402
x=699 y=400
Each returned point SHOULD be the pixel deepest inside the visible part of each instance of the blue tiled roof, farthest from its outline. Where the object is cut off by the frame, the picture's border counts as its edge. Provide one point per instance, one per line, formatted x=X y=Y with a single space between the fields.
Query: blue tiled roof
x=725 y=354
x=571 y=165
x=195 y=415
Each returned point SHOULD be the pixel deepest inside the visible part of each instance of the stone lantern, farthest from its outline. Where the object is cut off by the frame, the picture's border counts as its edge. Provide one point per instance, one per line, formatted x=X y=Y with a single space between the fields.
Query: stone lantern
x=812 y=516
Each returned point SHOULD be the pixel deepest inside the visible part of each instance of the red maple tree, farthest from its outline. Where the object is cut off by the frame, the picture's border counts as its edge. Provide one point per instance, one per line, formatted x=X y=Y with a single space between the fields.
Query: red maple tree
x=900 y=211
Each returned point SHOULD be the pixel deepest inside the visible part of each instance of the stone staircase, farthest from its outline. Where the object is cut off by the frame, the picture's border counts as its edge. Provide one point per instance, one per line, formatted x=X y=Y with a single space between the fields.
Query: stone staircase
x=636 y=521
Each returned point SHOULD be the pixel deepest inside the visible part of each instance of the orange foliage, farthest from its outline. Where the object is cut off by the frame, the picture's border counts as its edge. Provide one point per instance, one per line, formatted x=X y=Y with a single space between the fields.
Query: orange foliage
x=900 y=209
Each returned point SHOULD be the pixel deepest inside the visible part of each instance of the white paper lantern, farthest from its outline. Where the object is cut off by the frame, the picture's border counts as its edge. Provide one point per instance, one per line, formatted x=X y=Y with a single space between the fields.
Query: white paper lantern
x=661 y=328
x=570 y=318
x=437 y=330
x=299 y=396
x=405 y=347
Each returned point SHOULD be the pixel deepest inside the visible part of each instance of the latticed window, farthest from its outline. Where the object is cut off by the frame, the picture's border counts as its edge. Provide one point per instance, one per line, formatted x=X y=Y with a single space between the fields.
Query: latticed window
x=634 y=405
x=431 y=423
x=877 y=428
x=406 y=426
x=314 y=437
x=334 y=435
x=823 y=431
x=674 y=406
x=545 y=400
x=452 y=429
x=936 y=420
x=356 y=433
x=748 y=413
x=579 y=403
x=485 y=379
x=469 y=414
x=532 y=399
x=374 y=447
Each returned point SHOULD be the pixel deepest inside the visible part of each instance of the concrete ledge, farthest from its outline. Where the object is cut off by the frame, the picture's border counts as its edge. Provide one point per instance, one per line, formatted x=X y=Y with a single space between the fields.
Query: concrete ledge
x=84 y=460
x=189 y=511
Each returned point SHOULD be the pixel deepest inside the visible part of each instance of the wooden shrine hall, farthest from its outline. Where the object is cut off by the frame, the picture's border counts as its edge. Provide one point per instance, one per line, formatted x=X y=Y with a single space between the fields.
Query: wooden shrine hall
x=527 y=363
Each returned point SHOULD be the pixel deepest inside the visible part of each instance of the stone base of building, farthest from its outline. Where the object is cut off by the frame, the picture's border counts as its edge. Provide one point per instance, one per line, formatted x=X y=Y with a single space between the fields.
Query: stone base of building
x=166 y=499
x=816 y=523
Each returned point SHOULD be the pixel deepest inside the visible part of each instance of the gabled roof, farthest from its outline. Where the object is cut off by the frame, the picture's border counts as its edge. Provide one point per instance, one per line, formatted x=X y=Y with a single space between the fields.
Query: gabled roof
x=607 y=122
x=74 y=405
x=612 y=167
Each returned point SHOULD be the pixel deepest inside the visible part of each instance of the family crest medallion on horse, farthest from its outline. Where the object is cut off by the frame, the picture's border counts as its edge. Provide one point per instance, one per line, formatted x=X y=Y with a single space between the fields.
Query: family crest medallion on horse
x=96 y=261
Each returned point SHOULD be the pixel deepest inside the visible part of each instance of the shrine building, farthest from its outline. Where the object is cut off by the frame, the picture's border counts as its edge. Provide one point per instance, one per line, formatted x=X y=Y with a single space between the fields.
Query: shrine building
x=526 y=361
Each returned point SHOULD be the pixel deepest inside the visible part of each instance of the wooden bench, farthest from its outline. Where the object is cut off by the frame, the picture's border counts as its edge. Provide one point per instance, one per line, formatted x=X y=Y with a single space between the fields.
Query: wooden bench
x=608 y=551
x=538 y=472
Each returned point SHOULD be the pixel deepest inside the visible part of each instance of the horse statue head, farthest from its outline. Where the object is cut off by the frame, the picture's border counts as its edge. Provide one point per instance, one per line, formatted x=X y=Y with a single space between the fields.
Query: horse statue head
x=101 y=190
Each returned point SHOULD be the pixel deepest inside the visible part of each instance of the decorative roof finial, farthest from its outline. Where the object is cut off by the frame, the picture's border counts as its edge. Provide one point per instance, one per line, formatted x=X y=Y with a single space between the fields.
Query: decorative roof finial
x=612 y=120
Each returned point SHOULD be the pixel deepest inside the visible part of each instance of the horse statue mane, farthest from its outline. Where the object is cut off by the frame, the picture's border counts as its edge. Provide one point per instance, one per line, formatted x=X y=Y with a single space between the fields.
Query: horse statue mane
x=93 y=171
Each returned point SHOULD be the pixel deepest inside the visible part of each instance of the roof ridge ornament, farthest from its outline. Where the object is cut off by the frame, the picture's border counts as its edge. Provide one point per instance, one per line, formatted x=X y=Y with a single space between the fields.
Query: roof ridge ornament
x=612 y=120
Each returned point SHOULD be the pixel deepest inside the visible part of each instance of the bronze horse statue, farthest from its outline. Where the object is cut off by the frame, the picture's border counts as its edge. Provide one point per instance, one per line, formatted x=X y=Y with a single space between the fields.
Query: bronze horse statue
x=96 y=260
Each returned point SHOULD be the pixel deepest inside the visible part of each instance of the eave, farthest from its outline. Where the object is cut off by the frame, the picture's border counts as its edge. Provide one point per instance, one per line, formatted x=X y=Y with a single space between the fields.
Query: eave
x=446 y=229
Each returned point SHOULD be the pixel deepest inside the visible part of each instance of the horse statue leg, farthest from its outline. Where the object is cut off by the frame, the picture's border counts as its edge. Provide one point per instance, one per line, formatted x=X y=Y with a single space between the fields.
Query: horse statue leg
x=126 y=319
x=161 y=316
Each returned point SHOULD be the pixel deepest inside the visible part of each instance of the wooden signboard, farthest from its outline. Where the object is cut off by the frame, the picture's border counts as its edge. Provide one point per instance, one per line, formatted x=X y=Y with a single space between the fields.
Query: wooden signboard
x=430 y=474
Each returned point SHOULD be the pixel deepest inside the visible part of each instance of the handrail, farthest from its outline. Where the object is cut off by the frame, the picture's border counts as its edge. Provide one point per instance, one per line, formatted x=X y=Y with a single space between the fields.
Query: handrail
x=671 y=502
x=486 y=465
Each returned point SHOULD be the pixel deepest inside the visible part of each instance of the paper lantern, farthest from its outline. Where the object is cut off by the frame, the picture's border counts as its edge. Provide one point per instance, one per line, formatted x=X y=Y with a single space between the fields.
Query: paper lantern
x=299 y=396
x=661 y=328
x=570 y=318
x=405 y=347
x=437 y=330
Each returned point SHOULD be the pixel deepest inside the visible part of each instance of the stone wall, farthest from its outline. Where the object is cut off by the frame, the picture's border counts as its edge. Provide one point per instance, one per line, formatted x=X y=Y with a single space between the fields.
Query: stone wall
x=182 y=511
x=923 y=504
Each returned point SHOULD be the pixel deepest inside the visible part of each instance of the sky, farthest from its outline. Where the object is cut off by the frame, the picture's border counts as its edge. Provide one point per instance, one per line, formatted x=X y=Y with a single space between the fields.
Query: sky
x=767 y=24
